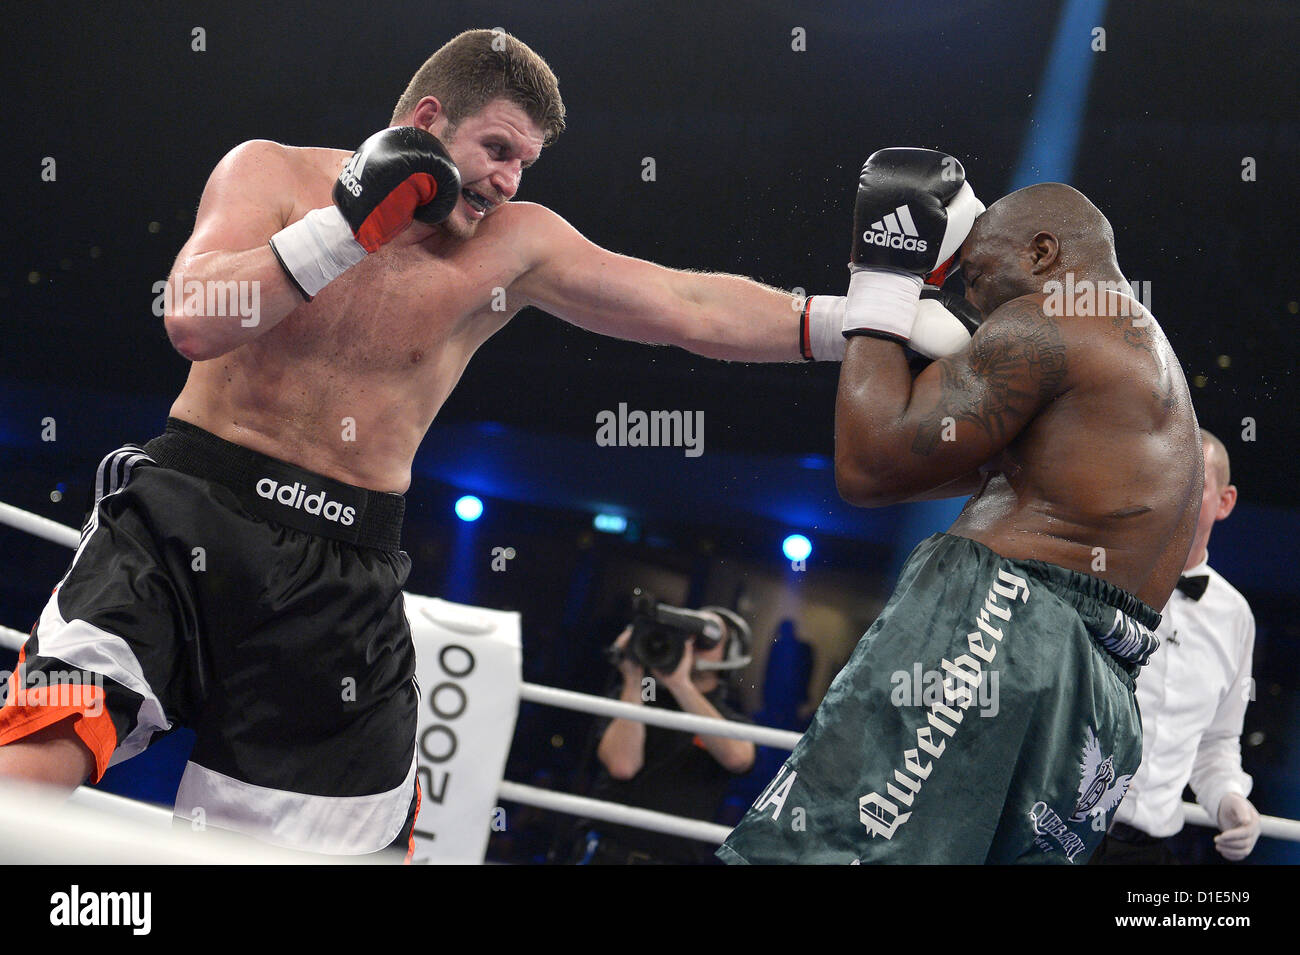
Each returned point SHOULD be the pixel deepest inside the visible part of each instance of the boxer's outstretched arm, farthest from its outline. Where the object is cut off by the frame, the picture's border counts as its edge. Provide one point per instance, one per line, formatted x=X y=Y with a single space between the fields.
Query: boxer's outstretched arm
x=896 y=438
x=714 y=315
x=248 y=198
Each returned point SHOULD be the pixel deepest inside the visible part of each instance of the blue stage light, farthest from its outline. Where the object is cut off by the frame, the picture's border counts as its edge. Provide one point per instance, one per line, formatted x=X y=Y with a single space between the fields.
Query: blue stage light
x=1061 y=102
x=610 y=523
x=796 y=547
x=469 y=508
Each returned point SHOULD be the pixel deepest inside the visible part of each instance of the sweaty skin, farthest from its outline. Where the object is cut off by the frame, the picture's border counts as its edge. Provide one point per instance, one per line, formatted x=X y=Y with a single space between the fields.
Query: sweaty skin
x=348 y=384
x=1075 y=433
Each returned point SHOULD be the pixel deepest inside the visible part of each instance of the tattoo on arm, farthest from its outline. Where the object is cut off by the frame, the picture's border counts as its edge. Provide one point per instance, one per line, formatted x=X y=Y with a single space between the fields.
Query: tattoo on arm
x=1134 y=336
x=1015 y=363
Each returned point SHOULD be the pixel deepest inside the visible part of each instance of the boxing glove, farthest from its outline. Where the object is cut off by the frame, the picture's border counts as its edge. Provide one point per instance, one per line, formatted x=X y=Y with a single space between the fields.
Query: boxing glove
x=944 y=323
x=914 y=209
x=397 y=175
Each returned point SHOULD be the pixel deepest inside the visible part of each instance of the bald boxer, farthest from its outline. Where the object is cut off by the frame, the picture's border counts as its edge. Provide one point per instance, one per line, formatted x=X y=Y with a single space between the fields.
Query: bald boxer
x=1073 y=430
x=242 y=573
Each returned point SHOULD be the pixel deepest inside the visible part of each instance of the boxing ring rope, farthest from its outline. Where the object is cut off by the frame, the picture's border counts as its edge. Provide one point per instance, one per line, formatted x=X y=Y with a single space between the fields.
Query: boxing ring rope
x=613 y=812
x=146 y=818
x=686 y=722
x=39 y=526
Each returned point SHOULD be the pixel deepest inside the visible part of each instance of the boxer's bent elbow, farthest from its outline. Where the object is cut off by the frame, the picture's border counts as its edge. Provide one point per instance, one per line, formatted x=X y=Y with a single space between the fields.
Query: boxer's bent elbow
x=185 y=338
x=186 y=333
x=863 y=486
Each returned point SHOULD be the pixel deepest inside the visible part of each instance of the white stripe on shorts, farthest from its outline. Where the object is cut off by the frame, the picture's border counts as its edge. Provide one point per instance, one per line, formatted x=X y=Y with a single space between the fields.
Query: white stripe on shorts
x=336 y=825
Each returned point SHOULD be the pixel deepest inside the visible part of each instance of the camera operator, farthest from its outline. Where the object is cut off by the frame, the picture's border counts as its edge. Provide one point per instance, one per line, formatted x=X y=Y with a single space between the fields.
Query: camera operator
x=669 y=770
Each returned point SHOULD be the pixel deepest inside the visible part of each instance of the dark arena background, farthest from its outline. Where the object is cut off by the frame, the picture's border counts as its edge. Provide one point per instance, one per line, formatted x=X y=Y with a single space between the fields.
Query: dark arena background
x=710 y=136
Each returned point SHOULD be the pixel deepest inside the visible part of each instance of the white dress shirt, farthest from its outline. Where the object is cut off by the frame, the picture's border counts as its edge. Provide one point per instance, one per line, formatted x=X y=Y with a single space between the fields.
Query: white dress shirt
x=1192 y=696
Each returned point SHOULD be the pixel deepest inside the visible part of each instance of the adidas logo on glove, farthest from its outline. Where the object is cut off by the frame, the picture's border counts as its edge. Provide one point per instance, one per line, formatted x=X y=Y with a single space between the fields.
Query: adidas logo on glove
x=895 y=231
x=295 y=495
x=350 y=177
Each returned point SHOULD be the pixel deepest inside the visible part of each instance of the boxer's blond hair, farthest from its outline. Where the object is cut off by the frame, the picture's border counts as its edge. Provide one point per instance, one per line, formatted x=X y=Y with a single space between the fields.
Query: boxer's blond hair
x=478 y=66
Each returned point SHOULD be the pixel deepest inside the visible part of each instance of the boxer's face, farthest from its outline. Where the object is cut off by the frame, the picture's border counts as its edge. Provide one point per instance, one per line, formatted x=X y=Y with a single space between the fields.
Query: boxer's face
x=993 y=269
x=491 y=148
x=1007 y=255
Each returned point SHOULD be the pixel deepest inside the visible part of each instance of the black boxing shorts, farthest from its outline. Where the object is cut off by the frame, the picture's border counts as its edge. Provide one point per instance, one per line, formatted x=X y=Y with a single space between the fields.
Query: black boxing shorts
x=258 y=604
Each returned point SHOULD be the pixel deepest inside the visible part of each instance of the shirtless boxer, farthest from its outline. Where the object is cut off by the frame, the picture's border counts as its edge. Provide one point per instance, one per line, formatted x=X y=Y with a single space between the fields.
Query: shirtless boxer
x=287 y=452
x=1071 y=424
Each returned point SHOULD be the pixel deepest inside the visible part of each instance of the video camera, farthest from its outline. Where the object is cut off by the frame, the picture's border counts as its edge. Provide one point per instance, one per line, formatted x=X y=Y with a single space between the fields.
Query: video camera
x=660 y=632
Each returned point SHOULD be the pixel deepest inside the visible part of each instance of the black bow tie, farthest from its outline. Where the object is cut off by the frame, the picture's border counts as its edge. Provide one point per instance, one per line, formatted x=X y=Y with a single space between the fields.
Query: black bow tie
x=1194 y=587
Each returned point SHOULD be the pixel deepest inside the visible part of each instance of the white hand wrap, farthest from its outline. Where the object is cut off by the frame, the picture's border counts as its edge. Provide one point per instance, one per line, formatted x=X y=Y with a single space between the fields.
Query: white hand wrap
x=823 y=331
x=317 y=249
x=882 y=302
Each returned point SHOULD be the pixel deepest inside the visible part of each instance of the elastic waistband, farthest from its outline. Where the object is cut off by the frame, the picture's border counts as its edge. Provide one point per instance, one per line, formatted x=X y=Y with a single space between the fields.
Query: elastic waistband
x=1118 y=622
x=283 y=492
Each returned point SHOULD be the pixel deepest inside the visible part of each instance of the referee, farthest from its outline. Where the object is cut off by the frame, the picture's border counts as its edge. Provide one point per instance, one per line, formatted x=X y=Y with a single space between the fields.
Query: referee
x=1193 y=696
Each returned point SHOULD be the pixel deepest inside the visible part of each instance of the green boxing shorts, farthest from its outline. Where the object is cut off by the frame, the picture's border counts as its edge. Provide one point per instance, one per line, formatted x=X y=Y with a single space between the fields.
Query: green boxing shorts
x=987 y=716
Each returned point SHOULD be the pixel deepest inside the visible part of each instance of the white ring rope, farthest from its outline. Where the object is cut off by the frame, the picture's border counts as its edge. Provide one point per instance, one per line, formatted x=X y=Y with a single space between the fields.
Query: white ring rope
x=669 y=719
x=145 y=813
x=613 y=812
x=12 y=639
x=40 y=526
x=1193 y=814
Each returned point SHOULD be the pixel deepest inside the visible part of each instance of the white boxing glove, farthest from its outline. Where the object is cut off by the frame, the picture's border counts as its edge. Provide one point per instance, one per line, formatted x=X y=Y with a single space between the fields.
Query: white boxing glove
x=943 y=326
x=944 y=323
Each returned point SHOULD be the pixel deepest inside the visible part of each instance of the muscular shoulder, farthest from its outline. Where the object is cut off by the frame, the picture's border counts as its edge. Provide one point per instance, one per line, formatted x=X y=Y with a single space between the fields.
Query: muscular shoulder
x=258 y=157
x=263 y=163
x=534 y=231
x=528 y=222
x=1092 y=348
x=259 y=187
x=1021 y=339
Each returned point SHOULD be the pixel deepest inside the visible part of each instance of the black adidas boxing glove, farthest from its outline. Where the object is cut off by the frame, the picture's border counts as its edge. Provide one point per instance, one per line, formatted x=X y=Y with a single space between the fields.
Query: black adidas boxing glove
x=914 y=209
x=398 y=174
